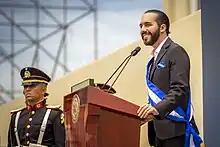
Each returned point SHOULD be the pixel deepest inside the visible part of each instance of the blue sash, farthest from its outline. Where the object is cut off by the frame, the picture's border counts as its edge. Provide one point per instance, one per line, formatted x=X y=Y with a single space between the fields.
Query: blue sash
x=192 y=138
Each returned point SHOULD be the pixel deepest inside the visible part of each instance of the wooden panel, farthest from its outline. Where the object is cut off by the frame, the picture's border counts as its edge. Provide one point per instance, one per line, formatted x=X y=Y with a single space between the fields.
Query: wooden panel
x=118 y=130
x=92 y=126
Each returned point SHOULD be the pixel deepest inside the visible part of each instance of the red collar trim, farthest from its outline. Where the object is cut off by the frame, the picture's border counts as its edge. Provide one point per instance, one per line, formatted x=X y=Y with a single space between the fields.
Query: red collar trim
x=35 y=107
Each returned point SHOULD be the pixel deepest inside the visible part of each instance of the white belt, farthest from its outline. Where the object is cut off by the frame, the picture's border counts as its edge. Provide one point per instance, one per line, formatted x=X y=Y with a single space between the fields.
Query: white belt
x=36 y=145
x=32 y=145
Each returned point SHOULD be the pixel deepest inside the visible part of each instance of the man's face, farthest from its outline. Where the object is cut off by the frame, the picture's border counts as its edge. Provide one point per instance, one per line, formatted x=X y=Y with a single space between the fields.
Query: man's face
x=149 y=29
x=34 y=92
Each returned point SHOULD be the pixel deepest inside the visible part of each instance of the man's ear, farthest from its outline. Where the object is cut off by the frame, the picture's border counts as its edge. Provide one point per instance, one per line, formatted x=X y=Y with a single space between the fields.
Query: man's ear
x=163 y=28
x=44 y=87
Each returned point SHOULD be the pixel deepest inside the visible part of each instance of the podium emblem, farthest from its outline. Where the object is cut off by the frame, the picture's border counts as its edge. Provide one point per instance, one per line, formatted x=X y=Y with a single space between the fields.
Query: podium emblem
x=75 y=108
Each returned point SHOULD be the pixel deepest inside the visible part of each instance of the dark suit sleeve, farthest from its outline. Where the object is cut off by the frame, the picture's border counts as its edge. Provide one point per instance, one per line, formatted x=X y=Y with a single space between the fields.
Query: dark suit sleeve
x=59 y=130
x=179 y=82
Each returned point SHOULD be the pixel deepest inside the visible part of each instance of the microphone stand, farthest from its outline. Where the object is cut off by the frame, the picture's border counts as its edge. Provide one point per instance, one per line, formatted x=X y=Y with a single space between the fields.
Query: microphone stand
x=129 y=57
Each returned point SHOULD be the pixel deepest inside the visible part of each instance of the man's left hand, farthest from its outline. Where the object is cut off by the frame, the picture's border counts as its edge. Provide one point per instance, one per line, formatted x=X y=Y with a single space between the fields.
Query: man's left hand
x=146 y=110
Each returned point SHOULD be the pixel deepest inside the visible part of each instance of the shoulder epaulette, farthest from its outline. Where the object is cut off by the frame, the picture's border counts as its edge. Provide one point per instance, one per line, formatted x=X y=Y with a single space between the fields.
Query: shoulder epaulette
x=57 y=107
x=16 y=110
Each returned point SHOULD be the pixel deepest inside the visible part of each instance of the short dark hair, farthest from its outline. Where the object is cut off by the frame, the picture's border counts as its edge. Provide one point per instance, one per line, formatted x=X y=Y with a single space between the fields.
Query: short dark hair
x=162 y=18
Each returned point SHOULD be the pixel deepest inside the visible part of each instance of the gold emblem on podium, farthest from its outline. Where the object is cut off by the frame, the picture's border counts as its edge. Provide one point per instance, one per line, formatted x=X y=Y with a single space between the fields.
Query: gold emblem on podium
x=75 y=108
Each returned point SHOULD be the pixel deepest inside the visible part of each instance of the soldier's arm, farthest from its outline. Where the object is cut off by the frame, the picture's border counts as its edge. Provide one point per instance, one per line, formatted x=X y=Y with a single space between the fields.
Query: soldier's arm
x=59 y=129
x=10 y=133
x=9 y=136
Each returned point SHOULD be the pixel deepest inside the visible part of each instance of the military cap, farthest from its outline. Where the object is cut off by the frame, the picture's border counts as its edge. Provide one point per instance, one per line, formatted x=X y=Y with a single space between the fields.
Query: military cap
x=31 y=75
x=34 y=76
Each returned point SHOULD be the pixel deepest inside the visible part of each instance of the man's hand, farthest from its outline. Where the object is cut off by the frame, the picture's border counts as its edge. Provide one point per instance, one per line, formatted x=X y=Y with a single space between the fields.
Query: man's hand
x=146 y=112
x=149 y=118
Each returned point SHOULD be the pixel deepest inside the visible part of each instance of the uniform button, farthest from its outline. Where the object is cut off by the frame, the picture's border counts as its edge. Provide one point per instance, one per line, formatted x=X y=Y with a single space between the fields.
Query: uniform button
x=30 y=119
x=33 y=112
x=28 y=126
x=27 y=134
x=28 y=142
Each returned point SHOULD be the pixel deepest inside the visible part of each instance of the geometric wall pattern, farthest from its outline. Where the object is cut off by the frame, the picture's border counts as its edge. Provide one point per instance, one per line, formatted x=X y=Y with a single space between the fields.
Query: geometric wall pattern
x=34 y=32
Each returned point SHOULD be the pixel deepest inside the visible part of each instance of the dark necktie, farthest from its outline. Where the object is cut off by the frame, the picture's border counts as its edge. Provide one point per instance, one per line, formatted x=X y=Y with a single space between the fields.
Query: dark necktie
x=151 y=69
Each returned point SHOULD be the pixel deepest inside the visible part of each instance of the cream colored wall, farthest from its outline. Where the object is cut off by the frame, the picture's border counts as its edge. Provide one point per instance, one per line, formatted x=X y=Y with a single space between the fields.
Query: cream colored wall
x=131 y=84
x=177 y=9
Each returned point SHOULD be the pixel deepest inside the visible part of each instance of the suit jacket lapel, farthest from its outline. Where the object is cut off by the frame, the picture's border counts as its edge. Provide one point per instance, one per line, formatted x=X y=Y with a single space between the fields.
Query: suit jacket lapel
x=160 y=55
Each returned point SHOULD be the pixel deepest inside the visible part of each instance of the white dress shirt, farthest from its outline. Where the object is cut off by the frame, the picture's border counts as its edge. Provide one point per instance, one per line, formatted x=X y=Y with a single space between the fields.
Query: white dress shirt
x=157 y=50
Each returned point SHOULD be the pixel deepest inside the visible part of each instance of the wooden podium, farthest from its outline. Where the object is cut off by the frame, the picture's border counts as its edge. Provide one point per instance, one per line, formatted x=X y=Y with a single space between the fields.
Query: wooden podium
x=94 y=118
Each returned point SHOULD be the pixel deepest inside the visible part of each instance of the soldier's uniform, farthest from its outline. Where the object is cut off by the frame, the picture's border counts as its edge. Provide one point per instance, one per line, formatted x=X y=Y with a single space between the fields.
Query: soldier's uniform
x=38 y=125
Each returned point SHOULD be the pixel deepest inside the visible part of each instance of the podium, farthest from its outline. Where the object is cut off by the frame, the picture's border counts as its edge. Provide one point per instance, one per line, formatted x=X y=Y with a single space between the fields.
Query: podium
x=94 y=118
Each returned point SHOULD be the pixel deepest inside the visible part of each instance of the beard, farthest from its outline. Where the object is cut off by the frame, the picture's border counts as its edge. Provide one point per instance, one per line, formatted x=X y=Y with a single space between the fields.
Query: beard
x=152 y=38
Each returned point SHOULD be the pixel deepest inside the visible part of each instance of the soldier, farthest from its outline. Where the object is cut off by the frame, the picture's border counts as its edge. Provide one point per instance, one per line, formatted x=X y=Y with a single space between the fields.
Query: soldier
x=37 y=124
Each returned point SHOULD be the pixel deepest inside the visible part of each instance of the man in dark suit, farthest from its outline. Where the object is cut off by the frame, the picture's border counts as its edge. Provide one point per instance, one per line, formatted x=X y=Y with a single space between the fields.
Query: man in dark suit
x=170 y=72
x=37 y=124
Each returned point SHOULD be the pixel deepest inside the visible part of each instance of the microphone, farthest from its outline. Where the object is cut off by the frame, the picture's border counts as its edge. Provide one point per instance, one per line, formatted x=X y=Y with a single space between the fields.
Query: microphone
x=133 y=53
